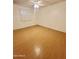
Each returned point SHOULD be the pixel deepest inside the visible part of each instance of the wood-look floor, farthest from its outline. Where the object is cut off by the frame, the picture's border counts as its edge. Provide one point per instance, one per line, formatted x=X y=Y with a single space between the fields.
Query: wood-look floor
x=37 y=42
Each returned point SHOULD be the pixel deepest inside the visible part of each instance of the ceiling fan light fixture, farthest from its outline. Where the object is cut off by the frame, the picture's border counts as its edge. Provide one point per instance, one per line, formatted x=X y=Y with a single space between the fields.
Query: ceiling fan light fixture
x=36 y=6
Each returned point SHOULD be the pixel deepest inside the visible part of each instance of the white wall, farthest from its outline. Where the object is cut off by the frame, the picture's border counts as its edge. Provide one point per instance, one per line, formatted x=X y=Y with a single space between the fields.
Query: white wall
x=54 y=16
x=22 y=19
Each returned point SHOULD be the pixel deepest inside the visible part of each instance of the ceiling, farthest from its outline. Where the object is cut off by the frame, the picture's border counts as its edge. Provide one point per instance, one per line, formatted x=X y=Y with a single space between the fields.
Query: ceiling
x=28 y=3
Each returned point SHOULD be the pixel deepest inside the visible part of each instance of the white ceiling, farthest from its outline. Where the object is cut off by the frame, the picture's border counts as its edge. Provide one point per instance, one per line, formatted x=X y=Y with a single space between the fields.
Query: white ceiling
x=29 y=4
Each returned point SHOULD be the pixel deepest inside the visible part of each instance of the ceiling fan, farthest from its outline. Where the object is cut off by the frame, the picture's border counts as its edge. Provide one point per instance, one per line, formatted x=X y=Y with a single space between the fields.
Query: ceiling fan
x=36 y=3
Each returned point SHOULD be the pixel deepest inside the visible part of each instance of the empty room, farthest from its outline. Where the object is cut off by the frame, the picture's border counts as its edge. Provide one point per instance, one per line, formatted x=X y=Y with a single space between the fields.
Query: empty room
x=39 y=29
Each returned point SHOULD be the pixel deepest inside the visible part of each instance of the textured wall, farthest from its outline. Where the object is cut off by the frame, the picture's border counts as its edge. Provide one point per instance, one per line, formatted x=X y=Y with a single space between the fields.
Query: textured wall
x=54 y=16
x=23 y=17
